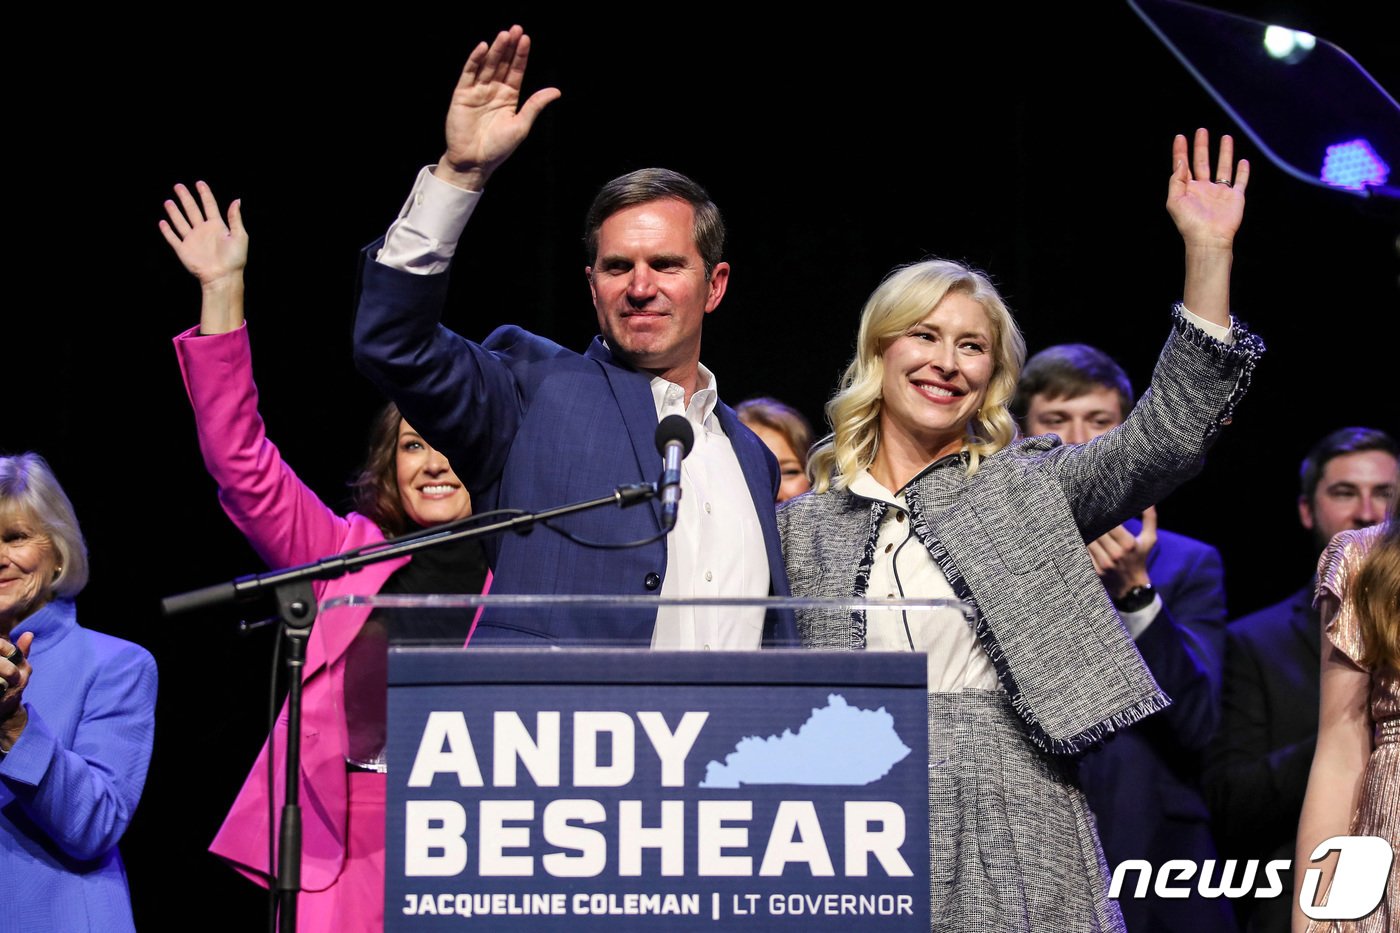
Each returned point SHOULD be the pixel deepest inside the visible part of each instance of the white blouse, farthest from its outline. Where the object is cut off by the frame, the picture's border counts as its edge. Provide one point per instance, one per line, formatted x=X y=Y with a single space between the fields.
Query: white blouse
x=903 y=568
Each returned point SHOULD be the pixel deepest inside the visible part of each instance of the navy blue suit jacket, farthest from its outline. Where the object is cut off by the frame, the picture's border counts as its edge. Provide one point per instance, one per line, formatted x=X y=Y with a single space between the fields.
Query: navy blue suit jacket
x=530 y=425
x=1257 y=766
x=1144 y=785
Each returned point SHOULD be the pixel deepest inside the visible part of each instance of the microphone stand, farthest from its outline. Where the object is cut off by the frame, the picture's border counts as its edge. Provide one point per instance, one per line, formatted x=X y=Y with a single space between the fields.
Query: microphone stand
x=296 y=608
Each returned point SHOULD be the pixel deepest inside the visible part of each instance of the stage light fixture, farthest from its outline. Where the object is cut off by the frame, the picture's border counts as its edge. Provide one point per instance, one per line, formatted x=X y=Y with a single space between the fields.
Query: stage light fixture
x=1288 y=45
x=1354 y=164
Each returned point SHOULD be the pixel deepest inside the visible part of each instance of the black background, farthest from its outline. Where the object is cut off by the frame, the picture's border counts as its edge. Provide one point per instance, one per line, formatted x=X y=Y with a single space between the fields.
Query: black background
x=1033 y=144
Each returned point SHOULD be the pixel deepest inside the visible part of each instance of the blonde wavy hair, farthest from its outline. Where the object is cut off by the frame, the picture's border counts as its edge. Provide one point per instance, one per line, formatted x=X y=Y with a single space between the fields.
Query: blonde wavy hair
x=903 y=299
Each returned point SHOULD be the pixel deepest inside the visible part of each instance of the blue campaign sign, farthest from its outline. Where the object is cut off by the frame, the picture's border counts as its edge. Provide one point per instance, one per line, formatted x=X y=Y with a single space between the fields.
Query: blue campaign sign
x=637 y=790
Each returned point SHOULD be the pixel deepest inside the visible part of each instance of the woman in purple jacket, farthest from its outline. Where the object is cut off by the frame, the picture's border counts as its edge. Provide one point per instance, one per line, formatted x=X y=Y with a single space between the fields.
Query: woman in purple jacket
x=405 y=484
x=77 y=717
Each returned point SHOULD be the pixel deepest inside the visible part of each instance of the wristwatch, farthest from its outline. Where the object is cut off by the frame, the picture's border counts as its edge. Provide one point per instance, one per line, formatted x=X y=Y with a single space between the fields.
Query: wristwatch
x=1139 y=597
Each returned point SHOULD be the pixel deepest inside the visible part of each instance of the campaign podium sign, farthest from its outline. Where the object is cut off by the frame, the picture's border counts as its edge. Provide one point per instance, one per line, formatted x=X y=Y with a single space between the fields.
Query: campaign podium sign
x=626 y=789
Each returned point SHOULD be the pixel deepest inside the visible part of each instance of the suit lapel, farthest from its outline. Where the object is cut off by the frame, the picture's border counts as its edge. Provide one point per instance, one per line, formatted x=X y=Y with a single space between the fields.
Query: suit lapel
x=758 y=477
x=633 y=393
x=753 y=460
x=333 y=638
x=632 y=390
x=1306 y=622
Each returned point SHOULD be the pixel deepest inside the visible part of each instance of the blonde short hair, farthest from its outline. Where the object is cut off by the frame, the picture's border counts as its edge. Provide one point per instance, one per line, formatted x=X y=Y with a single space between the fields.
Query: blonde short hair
x=903 y=299
x=30 y=492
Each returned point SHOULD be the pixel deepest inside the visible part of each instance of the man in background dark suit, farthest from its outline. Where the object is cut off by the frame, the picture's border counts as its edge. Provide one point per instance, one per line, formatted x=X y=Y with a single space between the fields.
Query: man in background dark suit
x=1144 y=784
x=1257 y=766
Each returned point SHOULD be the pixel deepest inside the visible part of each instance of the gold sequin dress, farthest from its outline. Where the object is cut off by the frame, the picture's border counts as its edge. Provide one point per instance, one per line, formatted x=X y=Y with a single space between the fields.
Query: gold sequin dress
x=1378 y=809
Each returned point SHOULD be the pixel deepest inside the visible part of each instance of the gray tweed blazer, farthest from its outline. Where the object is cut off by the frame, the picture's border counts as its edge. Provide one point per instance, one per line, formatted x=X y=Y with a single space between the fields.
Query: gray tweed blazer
x=1010 y=539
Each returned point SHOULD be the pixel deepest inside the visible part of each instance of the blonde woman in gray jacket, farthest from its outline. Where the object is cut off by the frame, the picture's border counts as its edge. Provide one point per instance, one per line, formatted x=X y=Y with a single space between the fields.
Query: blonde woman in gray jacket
x=923 y=491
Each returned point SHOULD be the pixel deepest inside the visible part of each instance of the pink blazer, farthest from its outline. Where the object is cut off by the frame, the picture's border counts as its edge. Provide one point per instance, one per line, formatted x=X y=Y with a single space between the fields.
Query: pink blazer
x=287 y=524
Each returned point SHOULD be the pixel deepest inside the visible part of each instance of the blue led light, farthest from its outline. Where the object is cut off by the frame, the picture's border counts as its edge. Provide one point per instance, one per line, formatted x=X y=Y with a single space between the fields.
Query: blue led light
x=1354 y=165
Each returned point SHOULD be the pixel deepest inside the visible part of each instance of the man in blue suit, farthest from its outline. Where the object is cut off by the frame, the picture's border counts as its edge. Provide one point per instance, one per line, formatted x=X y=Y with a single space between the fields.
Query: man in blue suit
x=530 y=425
x=1144 y=785
x=1257 y=766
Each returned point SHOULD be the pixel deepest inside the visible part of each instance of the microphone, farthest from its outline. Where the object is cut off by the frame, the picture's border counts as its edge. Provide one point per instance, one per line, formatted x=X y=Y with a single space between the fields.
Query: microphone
x=674 y=438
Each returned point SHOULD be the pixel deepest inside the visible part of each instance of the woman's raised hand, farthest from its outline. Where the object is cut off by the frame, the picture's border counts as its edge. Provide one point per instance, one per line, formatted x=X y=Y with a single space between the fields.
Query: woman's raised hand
x=209 y=248
x=1207 y=207
x=1207 y=210
x=213 y=251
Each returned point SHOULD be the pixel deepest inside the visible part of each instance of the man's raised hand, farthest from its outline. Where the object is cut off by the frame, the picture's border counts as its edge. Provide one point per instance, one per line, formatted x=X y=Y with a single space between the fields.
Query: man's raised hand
x=486 y=121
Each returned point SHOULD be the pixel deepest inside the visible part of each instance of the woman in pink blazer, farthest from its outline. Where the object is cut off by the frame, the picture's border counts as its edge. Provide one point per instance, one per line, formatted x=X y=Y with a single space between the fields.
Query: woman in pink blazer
x=405 y=483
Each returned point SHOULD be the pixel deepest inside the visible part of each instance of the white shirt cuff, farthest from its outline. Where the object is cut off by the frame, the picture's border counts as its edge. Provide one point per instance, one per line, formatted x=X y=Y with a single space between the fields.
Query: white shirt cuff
x=1224 y=334
x=1137 y=622
x=431 y=222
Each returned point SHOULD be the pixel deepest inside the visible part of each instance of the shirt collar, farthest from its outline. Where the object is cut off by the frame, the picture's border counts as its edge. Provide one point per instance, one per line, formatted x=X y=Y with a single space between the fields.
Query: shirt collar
x=669 y=398
x=868 y=487
x=50 y=624
x=947 y=460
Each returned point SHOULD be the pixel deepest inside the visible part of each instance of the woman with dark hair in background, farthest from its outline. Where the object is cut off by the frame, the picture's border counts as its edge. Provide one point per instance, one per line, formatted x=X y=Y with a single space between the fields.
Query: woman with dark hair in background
x=1354 y=784
x=77 y=718
x=787 y=434
x=923 y=491
x=405 y=484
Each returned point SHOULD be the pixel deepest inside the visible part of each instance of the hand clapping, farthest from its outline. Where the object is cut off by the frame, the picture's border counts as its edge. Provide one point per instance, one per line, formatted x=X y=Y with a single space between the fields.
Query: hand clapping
x=14 y=677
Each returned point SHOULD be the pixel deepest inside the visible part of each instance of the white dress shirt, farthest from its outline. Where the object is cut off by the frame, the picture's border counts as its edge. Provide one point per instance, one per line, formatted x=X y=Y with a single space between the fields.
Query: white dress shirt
x=716 y=548
x=424 y=237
